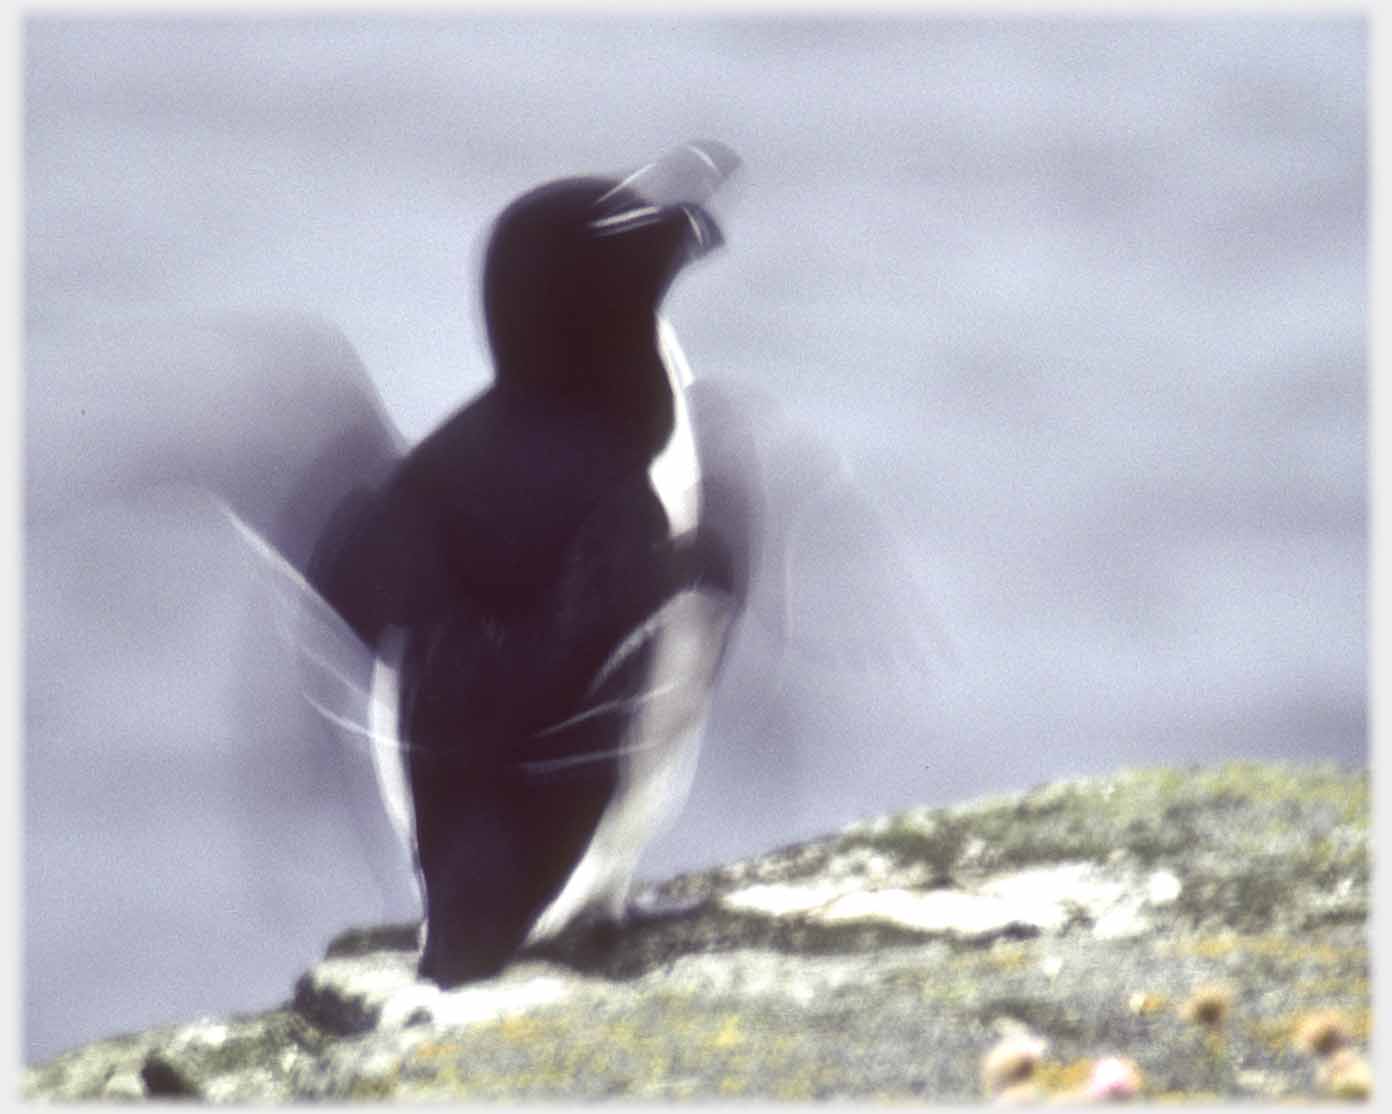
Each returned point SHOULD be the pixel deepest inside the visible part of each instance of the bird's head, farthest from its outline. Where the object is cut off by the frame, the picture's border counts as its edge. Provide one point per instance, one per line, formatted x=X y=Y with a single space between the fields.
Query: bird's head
x=575 y=270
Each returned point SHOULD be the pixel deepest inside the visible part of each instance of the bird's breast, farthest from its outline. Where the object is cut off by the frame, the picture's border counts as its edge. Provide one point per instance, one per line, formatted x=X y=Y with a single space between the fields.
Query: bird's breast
x=655 y=753
x=675 y=473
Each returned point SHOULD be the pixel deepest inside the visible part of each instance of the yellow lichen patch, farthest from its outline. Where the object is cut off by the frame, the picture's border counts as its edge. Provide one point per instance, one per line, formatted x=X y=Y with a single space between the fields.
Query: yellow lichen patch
x=1228 y=944
x=793 y=1090
x=1019 y=1094
x=732 y=1085
x=1059 y=1078
x=373 y=1089
x=1280 y=1033
x=1361 y=1022
x=659 y=1063
x=1146 y=1002
x=1008 y=955
x=1269 y=782
x=519 y=1028
x=903 y=1094
x=1188 y=1098
x=729 y=1034
x=1336 y=986
x=434 y=1050
x=1206 y=947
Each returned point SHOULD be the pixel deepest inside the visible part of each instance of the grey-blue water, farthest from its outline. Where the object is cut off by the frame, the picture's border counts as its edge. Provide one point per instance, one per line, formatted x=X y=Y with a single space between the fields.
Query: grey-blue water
x=1081 y=304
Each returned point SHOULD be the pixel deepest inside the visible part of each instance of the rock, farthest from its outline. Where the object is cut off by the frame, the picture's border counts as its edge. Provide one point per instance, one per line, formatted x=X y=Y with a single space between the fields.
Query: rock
x=122 y=1086
x=883 y=962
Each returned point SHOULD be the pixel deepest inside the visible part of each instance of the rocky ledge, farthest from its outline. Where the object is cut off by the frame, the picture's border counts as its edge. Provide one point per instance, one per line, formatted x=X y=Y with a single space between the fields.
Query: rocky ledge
x=1189 y=934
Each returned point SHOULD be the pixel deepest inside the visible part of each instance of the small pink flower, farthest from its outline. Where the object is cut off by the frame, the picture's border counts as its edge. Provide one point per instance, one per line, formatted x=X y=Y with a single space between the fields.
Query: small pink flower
x=1113 y=1078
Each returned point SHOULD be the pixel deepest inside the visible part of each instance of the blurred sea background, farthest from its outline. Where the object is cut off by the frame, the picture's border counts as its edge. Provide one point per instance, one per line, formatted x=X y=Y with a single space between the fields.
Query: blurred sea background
x=1080 y=302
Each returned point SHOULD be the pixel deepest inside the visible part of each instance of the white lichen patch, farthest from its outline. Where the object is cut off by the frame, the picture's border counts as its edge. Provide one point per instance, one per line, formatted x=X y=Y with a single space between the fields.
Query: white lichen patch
x=1345 y=896
x=380 y=1065
x=783 y=899
x=1045 y=893
x=1163 y=887
x=203 y=1034
x=124 y=1086
x=372 y=985
x=239 y=1086
x=939 y=911
x=755 y=974
x=362 y=980
x=522 y=988
x=871 y=864
x=1122 y=922
x=1044 y=899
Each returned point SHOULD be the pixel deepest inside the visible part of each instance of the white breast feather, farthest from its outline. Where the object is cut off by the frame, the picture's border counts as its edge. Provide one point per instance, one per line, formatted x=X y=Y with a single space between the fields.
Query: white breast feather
x=658 y=758
x=675 y=472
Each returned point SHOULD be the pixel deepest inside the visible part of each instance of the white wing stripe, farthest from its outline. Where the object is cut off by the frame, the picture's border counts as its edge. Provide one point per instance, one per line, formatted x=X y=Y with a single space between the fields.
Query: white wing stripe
x=343 y=723
x=607 y=706
x=622 y=222
x=389 y=763
x=545 y=764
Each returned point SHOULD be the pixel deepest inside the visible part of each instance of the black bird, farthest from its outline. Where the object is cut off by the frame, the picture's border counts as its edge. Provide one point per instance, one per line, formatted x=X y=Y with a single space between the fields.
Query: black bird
x=538 y=736
x=548 y=584
x=526 y=608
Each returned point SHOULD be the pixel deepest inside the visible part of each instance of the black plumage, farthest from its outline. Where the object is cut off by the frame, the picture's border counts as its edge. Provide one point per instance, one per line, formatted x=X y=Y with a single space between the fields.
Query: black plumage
x=546 y=613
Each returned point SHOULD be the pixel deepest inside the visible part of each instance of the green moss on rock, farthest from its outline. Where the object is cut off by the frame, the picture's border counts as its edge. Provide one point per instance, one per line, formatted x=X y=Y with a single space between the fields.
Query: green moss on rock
x=1248 y=874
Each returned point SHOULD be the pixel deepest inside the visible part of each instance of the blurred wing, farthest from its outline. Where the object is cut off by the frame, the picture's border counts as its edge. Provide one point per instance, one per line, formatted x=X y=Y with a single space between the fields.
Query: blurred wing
x=855 y=601
x=274 y=414
x=352 y=687
x=185 y=799
x=273 y=417
x=829 y=578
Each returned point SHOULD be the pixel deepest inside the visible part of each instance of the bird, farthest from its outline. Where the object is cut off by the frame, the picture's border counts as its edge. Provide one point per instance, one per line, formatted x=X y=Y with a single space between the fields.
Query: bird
x=548 y=588
x=471 y=671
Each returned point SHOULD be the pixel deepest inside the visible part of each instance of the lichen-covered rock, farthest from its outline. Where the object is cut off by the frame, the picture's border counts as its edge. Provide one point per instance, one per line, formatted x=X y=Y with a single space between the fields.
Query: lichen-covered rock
x=882 y=962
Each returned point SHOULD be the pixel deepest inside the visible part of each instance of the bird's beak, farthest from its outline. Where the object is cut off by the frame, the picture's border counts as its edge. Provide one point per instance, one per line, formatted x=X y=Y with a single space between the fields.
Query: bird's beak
x=685 y=175
x=705 y=233
x=682 y=180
